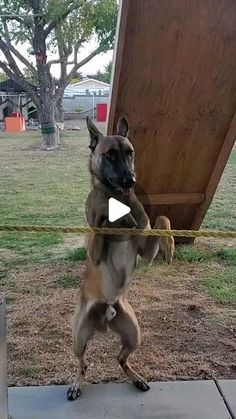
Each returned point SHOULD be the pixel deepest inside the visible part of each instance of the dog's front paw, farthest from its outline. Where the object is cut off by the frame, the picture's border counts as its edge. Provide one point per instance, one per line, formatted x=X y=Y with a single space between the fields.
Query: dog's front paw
x=73 y=393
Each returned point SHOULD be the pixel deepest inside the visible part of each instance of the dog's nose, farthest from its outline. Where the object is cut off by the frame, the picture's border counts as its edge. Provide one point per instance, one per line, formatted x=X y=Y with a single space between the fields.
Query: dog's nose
x=129 y=181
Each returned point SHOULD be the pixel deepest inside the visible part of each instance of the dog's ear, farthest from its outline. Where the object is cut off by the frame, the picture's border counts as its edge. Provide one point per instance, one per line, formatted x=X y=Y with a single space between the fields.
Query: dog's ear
x=95 y=134
x=123 y=127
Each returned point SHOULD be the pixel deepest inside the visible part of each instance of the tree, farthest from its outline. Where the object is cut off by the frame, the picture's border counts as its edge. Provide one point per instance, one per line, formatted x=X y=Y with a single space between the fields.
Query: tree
x=77 y=78
x=51 y=26
x=103 y=76
x=3 y=76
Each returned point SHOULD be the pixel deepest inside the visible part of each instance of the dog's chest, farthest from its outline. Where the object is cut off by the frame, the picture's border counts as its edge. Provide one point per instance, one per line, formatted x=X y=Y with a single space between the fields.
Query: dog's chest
x=118 y=268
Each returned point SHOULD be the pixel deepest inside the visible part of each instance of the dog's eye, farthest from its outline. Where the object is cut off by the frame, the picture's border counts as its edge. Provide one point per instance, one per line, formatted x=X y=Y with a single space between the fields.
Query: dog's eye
x=110 y=155
x=130 y=153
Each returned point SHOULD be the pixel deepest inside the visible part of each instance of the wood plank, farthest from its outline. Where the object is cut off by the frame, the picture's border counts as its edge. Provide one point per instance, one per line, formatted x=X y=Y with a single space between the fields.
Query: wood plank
x=117 y=60
x=175 y=82
x=170 y=199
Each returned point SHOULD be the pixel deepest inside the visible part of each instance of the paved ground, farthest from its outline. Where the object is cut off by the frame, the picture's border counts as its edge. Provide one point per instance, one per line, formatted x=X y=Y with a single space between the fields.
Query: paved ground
x=172 y=400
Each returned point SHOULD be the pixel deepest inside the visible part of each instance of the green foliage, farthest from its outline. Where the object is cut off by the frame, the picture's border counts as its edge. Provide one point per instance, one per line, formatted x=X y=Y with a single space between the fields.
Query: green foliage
x=104 y=76
x=30 y=77
x=78 y=109
x=79 y=254
x=3 y=76
x=67 y=281
x=77 y=78
x=74 y=22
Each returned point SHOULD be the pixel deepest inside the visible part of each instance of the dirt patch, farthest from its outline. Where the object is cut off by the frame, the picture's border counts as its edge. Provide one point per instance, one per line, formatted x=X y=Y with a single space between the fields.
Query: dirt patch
x=184 y=334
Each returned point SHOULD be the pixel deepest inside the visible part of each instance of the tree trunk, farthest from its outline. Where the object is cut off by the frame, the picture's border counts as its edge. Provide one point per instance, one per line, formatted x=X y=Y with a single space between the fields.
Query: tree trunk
x=59 y=117
x=49 y=130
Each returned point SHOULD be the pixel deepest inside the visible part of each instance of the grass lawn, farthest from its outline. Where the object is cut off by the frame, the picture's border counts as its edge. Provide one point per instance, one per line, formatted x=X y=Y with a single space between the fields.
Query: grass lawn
x=41 y=273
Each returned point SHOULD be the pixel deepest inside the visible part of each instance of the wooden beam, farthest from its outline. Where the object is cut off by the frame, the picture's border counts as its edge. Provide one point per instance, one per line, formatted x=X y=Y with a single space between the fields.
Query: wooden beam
x=217 y=172
x=117 y=59
x=3 y=360
x=172 y=199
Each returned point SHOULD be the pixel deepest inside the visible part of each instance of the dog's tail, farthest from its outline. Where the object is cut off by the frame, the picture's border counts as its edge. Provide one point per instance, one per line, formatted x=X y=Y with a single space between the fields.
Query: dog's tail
x=166 y=244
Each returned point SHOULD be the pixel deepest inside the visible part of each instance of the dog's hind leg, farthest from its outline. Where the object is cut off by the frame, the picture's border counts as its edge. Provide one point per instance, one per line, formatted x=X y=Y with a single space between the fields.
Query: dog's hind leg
x=125 y=324
x=83 y=329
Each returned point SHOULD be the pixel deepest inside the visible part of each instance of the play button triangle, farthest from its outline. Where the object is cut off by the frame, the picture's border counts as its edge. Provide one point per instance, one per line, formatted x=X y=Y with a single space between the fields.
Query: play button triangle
x=116 y=210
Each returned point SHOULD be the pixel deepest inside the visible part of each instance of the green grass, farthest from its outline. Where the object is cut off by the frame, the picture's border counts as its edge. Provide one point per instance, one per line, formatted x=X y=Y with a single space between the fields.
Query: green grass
x=192 y=253
x=189 y=253
x=221 y=285
x=31 y=372
x=221 y=214
x=67 y=281
x=41 y=188
x=50 y=188
x=79 y=254
x=219 y=280
x=227 y=255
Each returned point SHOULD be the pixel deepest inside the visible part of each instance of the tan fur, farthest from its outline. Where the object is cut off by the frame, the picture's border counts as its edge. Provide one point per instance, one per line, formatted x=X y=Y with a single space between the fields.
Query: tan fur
x=166 y=244
x=109 y=269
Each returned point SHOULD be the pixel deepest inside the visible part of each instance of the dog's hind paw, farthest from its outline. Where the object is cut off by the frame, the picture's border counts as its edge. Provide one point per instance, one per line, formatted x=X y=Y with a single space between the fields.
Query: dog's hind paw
x=73 y=393
x=142 y=385
x=110 y=313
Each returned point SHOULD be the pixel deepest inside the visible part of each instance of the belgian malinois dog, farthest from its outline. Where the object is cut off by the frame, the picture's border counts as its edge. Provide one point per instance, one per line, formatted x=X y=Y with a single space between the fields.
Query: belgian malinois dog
x=111 y=260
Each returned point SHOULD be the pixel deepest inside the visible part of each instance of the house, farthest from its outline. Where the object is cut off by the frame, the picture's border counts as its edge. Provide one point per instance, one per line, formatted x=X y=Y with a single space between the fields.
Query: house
x=87 y=87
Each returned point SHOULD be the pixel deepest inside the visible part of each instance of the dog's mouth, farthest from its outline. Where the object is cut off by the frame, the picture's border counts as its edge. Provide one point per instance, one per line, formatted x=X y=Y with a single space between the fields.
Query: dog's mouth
x=124 y=190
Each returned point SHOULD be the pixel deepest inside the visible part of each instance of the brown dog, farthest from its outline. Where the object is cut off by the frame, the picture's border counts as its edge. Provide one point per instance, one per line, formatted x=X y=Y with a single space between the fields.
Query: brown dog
x=111 y=260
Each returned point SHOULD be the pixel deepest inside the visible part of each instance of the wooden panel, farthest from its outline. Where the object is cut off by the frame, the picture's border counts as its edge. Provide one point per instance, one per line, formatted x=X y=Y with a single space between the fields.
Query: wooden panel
x=176 y=83
x=155 y=199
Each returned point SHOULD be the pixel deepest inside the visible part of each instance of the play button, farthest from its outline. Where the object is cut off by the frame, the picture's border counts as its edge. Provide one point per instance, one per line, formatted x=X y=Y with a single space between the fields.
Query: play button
x=116 y=210
x=107 y=208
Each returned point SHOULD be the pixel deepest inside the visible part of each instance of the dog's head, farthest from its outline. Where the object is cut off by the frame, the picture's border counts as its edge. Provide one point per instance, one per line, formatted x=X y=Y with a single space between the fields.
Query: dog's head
x=112 y=157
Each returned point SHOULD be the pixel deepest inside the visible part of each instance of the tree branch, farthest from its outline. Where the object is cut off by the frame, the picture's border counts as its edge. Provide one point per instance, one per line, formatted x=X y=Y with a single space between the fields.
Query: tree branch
x=23 y=21
x=56 y=22
x=59 y=61
x=12 y=70
x=15 y=51
x=73 y=71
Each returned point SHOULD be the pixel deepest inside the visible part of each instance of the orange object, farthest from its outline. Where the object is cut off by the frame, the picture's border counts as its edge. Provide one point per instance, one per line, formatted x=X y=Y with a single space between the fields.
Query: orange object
x=14 y=124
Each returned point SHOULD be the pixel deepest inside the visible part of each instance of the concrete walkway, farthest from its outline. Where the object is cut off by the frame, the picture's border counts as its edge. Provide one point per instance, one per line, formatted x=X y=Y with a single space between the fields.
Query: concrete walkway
x=170 y=400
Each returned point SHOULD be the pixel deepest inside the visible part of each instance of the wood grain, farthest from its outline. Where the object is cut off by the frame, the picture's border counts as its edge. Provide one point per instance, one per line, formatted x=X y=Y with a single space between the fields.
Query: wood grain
x=177 y=86
x=179 y=198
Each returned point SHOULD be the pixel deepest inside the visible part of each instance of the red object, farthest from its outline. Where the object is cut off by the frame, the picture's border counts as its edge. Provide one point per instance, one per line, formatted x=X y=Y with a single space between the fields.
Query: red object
x=16 y=114
x=101 y=112
x=14 y=124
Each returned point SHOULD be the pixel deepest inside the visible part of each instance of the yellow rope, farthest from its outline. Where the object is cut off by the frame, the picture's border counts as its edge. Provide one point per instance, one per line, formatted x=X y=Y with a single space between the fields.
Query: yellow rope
x=121 y=231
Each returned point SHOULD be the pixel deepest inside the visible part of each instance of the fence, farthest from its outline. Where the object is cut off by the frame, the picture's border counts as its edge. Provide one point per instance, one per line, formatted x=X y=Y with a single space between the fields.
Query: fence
x=86 y=104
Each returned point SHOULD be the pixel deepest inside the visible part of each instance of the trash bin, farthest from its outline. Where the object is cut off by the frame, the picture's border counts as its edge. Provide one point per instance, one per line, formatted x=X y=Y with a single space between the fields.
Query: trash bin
x=14 y=123
x=16 y=114
x=101 y=112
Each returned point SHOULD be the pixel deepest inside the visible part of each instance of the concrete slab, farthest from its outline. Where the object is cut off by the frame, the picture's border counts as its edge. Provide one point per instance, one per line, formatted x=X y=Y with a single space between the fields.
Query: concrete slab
x=228 y=390
x=3 y=359
x=172 y=400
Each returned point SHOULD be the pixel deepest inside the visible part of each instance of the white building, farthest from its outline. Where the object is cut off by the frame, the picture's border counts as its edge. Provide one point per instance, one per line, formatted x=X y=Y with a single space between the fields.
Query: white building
x=87 y=87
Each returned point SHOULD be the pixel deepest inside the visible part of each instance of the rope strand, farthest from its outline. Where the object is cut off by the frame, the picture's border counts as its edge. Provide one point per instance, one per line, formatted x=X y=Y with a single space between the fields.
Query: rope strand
x=120 y=231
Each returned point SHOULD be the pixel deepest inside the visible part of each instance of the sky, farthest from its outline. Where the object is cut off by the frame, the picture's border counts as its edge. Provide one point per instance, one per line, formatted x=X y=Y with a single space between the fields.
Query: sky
x=97 y=63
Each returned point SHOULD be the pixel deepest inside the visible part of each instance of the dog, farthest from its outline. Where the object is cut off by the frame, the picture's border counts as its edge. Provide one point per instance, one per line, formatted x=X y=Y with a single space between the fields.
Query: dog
x=112 y=259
